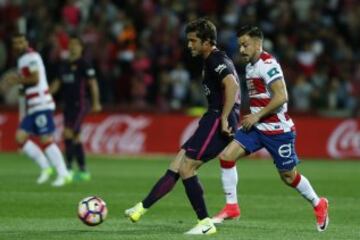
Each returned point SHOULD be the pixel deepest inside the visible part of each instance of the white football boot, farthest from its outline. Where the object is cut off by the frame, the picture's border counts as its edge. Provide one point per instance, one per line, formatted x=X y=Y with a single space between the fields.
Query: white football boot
x=61 y=180
x=204 y=227
x=45 y=175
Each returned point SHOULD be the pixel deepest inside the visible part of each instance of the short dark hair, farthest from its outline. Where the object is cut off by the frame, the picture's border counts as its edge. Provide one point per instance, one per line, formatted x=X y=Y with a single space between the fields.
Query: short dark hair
x=204 y=28
x=252 y=31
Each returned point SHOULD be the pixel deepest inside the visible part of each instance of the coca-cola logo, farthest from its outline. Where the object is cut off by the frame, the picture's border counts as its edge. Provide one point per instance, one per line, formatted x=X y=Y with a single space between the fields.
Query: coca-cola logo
x=345 y=140
x=114 y=134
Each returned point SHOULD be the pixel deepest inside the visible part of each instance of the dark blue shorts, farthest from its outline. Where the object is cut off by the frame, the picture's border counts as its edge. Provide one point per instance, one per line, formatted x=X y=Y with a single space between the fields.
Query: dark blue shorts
x=208 y=141
x=280 y=146
x=39 y=123
x=73 y=118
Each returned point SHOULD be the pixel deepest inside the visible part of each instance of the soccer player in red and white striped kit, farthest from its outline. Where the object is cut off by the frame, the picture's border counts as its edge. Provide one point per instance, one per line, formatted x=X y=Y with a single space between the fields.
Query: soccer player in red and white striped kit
x=38 y=118
x=268 y=126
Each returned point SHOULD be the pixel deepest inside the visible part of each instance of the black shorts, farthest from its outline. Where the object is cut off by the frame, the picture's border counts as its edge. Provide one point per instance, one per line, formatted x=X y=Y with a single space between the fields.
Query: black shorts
x=73 y=118
x=208 y=141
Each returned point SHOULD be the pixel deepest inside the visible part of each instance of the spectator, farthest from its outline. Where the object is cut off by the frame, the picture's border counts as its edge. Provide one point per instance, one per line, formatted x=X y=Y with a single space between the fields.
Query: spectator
x=138 y=46
x=180 y=82
x=301 y=94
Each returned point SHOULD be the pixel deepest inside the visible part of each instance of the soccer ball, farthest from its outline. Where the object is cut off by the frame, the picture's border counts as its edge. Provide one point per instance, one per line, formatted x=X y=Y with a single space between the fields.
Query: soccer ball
x=92 y=210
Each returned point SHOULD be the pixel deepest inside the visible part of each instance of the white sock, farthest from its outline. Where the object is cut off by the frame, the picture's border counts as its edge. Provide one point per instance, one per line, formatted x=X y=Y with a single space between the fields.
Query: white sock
x=305 y=189
x=56 y=158
x=34 y=152
x=229 y=179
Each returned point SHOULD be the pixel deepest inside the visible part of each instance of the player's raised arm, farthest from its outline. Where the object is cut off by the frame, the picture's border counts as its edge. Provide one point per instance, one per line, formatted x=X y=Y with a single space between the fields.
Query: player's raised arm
x=231 y=88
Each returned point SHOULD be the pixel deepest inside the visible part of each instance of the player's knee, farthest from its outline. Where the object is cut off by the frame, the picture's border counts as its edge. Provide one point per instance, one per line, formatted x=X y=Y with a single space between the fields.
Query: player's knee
x=226 y=156
x=187 y=169
x=288 y=177
x=46 y=140
x=20 y=138
x=184 y=171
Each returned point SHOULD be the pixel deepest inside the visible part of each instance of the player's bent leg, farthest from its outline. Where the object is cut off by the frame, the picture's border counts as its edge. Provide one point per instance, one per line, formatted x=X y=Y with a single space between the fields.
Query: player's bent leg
x=163 y=186
x=294 y=179
x=34 y=152
x=229 y=179
x=82 y=174
x=69 y=147
x=54 y=155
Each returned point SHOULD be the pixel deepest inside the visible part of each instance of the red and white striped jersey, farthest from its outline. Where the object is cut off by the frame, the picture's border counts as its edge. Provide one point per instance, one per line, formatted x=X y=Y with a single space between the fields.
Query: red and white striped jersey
x=258 y=79
x=37 y=96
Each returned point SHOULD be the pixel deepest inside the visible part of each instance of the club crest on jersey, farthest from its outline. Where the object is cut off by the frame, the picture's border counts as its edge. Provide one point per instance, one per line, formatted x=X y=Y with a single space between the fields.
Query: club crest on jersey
x=220 y=68
x=41 y=121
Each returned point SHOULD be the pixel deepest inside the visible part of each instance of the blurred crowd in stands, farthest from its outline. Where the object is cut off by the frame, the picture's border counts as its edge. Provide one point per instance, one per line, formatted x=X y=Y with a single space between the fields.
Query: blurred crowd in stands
x=138 y=46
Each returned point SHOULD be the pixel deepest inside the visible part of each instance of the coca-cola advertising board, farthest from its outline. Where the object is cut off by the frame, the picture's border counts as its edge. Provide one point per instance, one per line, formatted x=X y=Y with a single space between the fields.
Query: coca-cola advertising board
x=108 y=133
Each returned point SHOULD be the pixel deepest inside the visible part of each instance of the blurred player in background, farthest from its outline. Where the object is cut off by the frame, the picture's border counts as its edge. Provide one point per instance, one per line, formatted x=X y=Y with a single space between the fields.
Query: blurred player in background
x=79 y=86
x=221 y=87
x=38 y=117
x=269 y=125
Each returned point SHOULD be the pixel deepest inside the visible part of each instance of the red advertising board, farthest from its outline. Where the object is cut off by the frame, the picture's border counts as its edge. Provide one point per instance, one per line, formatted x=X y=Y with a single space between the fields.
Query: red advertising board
x=151 y=133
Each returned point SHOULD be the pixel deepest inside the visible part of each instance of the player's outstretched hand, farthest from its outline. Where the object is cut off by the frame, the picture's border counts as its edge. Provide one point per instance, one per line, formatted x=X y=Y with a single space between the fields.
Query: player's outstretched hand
x=96 y=108
x=249 y=120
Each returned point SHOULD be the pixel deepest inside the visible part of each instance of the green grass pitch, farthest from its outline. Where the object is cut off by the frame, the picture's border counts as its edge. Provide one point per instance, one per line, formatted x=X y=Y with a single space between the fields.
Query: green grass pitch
x=270 y=210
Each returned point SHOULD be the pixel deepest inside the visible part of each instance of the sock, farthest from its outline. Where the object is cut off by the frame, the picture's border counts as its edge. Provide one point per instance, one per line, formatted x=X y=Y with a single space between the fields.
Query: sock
x=54 y=155
x=195 y=193
x=34 y=152
x=304 y=187
x=161 y=188
x=80 y=156
x=69 y=152
x=229 y=179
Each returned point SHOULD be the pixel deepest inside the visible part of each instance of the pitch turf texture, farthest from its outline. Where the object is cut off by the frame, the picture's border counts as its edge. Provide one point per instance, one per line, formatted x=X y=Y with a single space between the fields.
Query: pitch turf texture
x=270 y=210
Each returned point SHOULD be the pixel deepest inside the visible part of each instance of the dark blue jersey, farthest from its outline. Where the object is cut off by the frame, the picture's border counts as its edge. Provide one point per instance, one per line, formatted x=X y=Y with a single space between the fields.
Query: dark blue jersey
x=74 y=77
x=216 y=67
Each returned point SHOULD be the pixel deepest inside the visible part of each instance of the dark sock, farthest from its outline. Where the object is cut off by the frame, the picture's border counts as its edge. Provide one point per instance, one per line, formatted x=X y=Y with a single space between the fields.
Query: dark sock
x=161 y=188
x=195 y=193
x=69 y=152
x=80 y=156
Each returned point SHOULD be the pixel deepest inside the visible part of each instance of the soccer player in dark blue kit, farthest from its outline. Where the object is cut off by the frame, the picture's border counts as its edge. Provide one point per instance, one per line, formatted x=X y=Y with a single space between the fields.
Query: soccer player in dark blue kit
x=78 y=83
x=221 y=87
